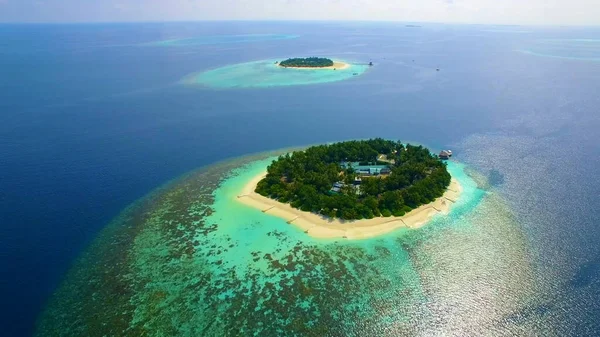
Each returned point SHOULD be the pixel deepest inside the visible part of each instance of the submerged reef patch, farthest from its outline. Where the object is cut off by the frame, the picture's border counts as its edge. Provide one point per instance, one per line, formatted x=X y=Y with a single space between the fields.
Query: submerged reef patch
x=189 y=260
x=217 y=39
x=569 y=49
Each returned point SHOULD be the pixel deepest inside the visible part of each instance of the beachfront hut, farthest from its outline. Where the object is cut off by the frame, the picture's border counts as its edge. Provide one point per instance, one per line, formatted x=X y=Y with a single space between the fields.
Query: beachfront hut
x=337 y=187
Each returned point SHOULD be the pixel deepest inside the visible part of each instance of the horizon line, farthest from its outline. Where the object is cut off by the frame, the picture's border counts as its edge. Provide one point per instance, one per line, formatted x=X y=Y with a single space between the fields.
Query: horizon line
x=290 y=21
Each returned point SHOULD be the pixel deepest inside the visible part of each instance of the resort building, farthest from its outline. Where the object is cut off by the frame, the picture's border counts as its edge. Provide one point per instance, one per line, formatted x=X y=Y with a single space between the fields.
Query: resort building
x=367 y=170
x=337 y=187
x=362 y=171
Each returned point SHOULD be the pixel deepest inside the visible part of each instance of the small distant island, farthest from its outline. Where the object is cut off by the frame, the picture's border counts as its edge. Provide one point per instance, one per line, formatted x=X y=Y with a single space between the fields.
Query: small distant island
x=354 y=189
x=309 y=62
x=313 y=63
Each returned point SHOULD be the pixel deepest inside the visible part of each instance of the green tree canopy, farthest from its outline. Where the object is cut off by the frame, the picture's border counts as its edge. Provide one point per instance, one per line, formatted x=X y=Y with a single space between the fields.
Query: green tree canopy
x=305 y=179
x=309 y=62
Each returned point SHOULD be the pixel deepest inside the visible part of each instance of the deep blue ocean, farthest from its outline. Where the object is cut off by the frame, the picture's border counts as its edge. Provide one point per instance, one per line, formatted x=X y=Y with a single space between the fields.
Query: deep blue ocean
x=93 y=118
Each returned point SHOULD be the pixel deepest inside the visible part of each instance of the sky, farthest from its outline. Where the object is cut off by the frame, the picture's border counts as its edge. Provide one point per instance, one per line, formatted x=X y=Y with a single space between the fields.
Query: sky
x=533 y=12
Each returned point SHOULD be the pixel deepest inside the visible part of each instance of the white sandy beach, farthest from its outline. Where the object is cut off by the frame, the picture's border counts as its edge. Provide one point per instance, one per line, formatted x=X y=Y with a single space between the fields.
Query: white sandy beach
x=320 y=227
x=338 y=65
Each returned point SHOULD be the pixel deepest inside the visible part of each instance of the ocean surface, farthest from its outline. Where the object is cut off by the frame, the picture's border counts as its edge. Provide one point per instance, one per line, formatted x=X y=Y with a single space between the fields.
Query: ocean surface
x=114 y=170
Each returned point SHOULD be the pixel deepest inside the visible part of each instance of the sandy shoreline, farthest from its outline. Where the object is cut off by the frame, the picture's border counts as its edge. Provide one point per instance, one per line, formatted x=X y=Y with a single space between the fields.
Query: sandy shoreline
x=319 y=227
x=338 y=65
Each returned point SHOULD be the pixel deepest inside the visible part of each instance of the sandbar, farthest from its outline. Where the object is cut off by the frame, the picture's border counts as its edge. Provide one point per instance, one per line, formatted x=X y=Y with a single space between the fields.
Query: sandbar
x=321 y=227
x=338 y=65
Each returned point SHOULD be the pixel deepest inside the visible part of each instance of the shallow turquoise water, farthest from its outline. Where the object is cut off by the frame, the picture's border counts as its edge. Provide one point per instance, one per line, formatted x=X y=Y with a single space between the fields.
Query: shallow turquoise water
x=198 y=262
x=228 y=211
x=218 y=39
x=569 y=49
x=266 y=73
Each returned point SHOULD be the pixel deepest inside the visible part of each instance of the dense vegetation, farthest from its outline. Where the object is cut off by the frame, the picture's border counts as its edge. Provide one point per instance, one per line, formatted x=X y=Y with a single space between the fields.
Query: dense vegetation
x=305 y=179
x=309 y=62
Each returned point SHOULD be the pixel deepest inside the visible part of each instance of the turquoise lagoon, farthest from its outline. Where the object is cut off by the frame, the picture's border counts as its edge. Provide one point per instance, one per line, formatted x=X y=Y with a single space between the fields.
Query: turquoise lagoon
x=266 y=73
x=218 y=39
x=570 y=49
x=227 y=214
x=190 y=260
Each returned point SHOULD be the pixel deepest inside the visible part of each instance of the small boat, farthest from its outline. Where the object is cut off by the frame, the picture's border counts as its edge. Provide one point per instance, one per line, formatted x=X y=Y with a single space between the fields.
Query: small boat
x=355 y=74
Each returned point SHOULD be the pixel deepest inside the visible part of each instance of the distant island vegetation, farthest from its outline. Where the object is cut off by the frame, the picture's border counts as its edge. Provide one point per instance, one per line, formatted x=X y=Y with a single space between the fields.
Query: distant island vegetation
x=357 y=179
x=309 y=62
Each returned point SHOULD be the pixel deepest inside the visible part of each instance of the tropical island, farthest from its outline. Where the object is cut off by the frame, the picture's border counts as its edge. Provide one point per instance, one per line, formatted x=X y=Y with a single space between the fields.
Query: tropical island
x=354 y=189
x=312 y=63
x=309 y=62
